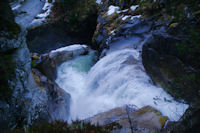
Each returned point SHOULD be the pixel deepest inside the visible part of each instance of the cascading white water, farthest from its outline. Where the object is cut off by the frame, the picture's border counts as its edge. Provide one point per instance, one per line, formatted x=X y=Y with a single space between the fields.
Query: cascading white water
x=115 y=80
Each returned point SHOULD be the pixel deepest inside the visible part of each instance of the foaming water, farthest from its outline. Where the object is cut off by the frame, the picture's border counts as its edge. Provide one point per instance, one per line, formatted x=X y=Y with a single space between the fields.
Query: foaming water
x=115 y=80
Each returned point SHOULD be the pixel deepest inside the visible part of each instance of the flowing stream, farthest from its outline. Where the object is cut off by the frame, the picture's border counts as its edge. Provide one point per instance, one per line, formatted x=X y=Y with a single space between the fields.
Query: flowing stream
x=115 y=80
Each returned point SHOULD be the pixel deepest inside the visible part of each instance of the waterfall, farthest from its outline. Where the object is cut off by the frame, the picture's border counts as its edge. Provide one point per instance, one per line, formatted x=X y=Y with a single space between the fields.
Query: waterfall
x=115 y=80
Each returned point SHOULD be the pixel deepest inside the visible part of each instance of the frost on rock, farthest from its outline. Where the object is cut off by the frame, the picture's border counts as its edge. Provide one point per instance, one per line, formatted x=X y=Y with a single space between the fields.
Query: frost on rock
x=112 y=9
x=134 y=7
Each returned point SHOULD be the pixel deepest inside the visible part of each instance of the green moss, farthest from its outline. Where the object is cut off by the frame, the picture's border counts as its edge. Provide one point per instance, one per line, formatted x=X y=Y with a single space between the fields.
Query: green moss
x=147 y=109
x=173 y=25
x=162 y=120
x=33 y=64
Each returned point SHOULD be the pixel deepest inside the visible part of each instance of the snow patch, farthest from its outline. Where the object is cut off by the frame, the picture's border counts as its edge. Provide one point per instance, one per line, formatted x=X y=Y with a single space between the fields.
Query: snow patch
x=76 y=49
x=134 y=7
x=98 y=2
x=137 y=16
x=16 y=7
x=113 y=32
x=125 y=17
x=42 y=17
x=70 y=48
x=125 y=10
x=112 y=9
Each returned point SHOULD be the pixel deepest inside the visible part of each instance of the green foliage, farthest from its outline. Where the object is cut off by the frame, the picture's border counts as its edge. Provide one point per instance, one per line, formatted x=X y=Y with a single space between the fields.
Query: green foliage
x=191 y=49
x=7 y=71
x=33 y=64
x=123 y=4
x=62 y=127
x=79 y=14
x=8 y=27
x=174 y=10
x=187 y=84
x=67 y=4
x=148 y=8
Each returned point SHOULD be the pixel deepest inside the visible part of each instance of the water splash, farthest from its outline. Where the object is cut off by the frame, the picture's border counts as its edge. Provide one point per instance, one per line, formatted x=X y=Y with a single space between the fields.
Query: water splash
x=115 y=80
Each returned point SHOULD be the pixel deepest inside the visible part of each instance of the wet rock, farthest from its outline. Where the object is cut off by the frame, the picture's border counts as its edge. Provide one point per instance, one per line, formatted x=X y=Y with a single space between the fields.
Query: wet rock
x=172 y=69
x=58 y=99
x=130 y=119
x=164 y=63
x=189 y=123
x=49 y=62
x=136 y=27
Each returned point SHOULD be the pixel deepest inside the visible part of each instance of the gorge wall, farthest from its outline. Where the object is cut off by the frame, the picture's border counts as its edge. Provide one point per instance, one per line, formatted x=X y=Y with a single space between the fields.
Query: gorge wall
x=167 y=42
x=22 y=101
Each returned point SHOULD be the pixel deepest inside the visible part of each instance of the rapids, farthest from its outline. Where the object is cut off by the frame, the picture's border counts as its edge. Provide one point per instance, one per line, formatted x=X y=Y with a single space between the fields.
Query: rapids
x=115 y=80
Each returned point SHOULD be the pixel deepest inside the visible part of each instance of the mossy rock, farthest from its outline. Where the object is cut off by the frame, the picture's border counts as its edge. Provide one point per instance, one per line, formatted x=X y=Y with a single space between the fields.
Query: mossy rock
x=163 y=120
x=173 y=25
x=147 y=109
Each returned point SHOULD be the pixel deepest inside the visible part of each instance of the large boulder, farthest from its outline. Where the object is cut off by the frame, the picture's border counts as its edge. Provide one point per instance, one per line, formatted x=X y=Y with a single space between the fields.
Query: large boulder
x=168 y=68
x=130 y=119
x=49 y=62
x=171 y=60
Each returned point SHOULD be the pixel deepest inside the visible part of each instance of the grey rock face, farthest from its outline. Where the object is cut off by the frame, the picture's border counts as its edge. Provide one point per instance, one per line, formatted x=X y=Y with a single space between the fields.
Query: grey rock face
x=164 y=63
x=27 y=103
x=58 y=99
